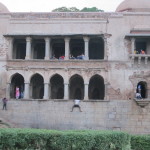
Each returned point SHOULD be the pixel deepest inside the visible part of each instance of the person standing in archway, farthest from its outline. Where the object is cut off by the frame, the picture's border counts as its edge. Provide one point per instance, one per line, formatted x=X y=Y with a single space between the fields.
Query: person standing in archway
x=17 y=92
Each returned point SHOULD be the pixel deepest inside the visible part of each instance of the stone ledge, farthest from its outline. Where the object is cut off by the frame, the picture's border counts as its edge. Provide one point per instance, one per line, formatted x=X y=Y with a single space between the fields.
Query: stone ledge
x=58 y=100
x=142 y=103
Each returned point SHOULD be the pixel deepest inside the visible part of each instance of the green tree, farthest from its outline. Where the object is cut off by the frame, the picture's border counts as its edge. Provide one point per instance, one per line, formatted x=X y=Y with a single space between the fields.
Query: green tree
x=92 y=9
x=74 y=9
x=65 y=9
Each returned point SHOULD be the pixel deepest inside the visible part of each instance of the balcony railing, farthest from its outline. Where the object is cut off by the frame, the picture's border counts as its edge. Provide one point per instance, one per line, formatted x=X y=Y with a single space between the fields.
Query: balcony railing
x=139 y=58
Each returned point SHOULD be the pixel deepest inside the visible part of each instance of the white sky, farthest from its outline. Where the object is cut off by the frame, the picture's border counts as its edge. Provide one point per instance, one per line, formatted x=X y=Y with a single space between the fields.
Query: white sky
x=49 y=5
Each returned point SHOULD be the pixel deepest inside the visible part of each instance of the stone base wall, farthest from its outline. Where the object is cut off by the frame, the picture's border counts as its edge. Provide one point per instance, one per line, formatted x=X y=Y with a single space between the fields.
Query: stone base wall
x=123 y=115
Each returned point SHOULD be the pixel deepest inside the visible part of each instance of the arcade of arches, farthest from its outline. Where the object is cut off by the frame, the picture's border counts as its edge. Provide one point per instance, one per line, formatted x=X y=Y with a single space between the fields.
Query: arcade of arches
x=38 y=47
x=57 y=89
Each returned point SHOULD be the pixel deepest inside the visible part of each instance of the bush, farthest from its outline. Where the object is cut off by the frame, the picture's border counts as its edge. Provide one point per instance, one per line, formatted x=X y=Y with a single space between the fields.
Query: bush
x=140 y=142
x=31 y=139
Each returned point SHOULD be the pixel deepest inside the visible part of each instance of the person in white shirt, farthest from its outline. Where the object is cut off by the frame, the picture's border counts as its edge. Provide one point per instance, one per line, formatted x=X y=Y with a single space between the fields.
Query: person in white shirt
x=138 y=96
x=76 y=104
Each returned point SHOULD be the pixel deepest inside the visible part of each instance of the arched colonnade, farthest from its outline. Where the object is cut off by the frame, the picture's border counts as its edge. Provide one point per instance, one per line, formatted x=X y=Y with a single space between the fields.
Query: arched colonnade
x=57 y=88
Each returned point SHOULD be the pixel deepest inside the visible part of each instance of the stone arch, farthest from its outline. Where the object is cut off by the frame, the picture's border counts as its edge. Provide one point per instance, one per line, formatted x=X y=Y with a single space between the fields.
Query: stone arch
x=57 y=87
x=76 y=88
x=37 y=86
x=96 y=48
x=142 y=88
x=96 y=87
x=17 y=80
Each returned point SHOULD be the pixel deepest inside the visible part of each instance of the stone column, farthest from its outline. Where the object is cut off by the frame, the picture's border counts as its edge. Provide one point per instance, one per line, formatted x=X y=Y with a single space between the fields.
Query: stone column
x=26 y=91
x=28 y=48
x=86 y=91
x=67 y=51
x=86 y=47
x=8 y=90
x=105 y=48
x=106 y=93
x=50 y=92
x=10 y=50
x=133 y=45
x=47 y=48
x=46 y=90
x=66 y=91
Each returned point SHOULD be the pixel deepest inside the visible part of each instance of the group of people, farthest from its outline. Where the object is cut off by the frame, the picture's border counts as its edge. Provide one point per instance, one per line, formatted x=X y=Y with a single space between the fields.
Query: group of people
x=62 y=57
x=139 y=52
x=78 y=57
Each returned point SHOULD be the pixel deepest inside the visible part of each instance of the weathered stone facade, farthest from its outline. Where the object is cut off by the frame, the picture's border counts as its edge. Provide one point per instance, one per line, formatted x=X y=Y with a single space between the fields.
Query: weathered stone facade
x=106 y=80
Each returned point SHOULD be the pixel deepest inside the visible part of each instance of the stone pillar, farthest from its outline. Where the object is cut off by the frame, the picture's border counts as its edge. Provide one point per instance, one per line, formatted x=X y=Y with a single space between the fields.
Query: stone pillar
x=133 y=45
x=66 y=91
x=86 y=47
x=28 y=48
x=26 y=91
x=47 y=48
x=106 y=93
x=50 y=91
x=8 y=90
x=46 y=90
x=105 y=48
x=86 y=91
x=10 y=50
x=67 y=51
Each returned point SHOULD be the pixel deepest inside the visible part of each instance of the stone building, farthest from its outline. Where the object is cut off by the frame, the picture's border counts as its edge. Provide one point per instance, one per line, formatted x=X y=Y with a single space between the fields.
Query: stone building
x=39 y=54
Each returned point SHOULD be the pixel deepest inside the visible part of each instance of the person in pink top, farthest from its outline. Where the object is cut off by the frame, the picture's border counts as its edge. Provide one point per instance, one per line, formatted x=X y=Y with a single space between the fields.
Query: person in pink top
x=17 y=93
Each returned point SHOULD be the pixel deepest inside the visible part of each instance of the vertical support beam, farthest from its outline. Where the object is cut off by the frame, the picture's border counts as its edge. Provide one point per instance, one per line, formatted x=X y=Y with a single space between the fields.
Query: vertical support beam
x=66 y=91
x=10 y=50
x=132 y=60
x=8 y=90
x=133 y=45
x=46 y=90
x=26 y=92
x=47 y=48
x=139 y=60
x=86 y=91
x=86 y=47
x=106 y=93
x=67 y=51
x=28 y=48
x=105 y=48
x=49 y=91
x=146 y=58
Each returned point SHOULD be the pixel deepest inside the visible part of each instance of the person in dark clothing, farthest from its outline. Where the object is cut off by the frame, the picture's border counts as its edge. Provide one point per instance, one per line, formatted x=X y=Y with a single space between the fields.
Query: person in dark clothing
x=5 y=103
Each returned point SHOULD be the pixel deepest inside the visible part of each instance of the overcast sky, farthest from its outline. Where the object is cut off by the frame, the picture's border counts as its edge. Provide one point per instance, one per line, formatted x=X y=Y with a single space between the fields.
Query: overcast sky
x=49 y=5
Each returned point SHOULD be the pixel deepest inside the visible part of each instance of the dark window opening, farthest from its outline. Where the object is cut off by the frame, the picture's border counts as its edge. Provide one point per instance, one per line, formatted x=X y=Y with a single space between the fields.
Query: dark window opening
x=141 y=88
x=57 y=87
x=96 y=88
x=76 y=87
x=19 y=49
x=96 y=48
x=37 y=87
x=140 y=45
x=17 y=81
x=39 y=49
x=58 y=48
x=76 y=47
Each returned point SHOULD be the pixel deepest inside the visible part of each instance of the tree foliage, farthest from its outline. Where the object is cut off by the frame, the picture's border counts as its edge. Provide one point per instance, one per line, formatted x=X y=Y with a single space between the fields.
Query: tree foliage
x=74 y=9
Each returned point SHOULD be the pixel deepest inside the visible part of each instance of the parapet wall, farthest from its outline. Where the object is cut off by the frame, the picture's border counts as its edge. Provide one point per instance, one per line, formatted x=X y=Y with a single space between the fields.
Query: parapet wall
x=123 y=115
